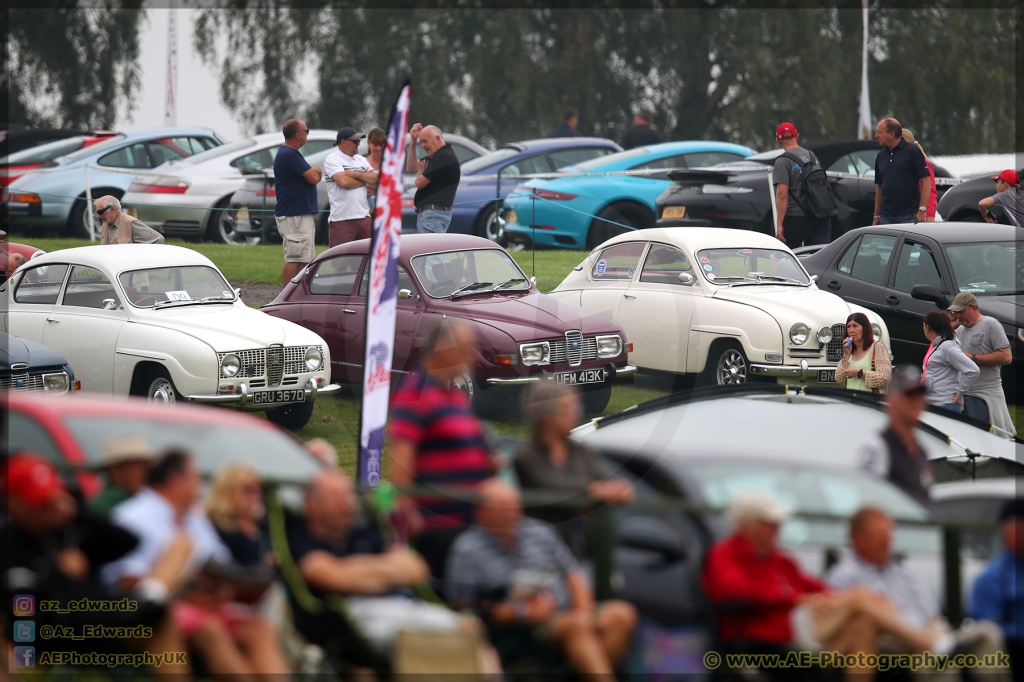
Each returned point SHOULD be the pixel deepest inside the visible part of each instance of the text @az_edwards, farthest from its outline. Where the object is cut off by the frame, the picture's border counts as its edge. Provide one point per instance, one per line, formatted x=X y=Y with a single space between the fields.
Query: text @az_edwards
x=95 y=632
x=881 y=662
x=89 y=605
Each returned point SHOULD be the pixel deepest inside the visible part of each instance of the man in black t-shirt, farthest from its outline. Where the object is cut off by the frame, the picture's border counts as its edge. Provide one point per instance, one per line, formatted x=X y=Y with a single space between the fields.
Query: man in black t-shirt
x=902 y=181
x=641 y=134
x=437 y=178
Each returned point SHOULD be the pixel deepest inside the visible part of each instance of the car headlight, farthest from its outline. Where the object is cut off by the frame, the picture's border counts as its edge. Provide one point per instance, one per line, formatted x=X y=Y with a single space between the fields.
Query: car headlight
x=230 y=365
x=824 y=335
x=56 y=382
x=798 y=333
x=876 y=330
x=535 y=353
x=609 y=346
x=314 y=359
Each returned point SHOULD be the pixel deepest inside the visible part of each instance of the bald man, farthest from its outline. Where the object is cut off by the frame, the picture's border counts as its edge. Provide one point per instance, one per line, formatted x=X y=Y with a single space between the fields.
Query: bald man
x=117 y=227
x=336 y=552
x=518 y=571
x=437 y=178
x=15 y=261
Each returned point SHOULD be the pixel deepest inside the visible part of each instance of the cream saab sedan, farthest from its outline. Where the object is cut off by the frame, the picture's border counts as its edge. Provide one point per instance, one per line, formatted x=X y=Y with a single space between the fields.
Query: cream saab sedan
x=161 y=321
x=723 y=304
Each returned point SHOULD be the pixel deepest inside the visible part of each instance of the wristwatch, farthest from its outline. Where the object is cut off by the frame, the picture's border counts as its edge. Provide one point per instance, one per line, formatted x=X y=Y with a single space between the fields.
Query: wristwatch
x=974 y=358
x=860 y=374
x=922 y=208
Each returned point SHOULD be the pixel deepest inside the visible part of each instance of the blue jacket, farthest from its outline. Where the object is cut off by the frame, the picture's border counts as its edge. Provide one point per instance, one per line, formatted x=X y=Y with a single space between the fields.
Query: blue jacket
x=999 y=595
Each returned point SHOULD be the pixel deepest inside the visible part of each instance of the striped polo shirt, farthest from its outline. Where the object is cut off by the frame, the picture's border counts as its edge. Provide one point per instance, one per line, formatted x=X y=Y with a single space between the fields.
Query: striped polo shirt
x=449 y=441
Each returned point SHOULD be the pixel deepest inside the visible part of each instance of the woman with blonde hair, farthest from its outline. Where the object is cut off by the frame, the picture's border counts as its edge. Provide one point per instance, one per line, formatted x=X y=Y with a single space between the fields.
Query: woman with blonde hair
x=376 y=140
x=933 y=198
x=236 y=508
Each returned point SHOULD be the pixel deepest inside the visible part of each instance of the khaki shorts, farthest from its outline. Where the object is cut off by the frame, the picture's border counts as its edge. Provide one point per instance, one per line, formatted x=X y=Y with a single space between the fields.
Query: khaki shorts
x=297 y=233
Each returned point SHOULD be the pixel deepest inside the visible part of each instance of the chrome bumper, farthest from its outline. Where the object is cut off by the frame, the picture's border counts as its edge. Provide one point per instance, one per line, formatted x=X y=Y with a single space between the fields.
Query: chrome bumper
x=520 y=381
x=243 y=398
x=803 y=371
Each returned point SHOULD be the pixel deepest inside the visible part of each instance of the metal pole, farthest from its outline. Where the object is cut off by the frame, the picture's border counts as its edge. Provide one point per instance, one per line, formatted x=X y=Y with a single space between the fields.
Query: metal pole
x=951 y=560
x=90 y=208
x=263 y=212
x=775 y=209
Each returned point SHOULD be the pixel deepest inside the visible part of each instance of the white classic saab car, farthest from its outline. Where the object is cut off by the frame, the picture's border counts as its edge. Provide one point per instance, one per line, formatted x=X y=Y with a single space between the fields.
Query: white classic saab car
x=724 y=304
x=161 y=321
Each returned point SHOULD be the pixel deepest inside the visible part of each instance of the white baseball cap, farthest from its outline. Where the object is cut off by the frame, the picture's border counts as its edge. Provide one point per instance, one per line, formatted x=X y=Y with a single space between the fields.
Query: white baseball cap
x=753 y=505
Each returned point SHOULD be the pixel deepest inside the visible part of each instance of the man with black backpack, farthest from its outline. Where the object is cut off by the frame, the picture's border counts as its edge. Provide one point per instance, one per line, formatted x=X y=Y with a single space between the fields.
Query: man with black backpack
x=803 y=197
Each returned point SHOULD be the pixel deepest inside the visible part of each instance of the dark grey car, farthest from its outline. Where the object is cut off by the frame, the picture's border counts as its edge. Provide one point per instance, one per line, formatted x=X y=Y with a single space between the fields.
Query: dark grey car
x=29 y=366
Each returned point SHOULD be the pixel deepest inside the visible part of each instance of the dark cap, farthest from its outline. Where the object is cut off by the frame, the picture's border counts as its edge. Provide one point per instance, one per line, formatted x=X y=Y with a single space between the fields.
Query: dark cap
x=1012 y=509
x=348 y=134
x=906 y=379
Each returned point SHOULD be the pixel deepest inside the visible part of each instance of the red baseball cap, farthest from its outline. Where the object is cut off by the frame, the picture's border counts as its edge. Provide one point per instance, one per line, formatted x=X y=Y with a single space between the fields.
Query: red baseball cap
x=1009 y=176
x=32 y=480
x=785 y=131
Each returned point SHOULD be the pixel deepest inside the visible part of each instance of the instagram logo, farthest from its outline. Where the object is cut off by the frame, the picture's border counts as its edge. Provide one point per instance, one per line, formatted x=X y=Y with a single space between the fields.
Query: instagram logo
x=24 y=605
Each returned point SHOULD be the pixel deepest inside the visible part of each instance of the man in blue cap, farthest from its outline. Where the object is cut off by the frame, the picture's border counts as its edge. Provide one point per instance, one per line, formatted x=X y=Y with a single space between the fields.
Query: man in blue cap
x=999 y=591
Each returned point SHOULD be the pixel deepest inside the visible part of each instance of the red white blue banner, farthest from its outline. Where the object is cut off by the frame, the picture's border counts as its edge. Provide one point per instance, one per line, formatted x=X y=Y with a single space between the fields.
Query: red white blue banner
x=383 y=296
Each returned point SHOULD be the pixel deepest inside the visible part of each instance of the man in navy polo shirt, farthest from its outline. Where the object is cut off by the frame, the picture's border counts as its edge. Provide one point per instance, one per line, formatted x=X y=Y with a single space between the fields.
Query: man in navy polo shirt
x=295 y=183
x=902 y=182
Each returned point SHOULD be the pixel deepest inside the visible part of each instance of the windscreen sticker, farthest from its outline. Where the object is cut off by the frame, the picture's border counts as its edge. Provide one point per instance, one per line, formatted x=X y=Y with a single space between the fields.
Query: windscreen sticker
x=601 y=266
x=630 y=272
x=711 y=276
x=708 y=267
x=746 y=251
x=703 y=259
x=177 y=296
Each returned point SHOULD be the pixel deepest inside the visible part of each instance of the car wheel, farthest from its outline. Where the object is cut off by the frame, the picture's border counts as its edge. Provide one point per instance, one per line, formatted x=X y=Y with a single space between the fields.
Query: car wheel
x=726 y=366
x=292 y=417
x=617 y=219
x=490 y=225
x=80 y=216
x=486 y=402
x=161 y=390
x=220 y=227
x=596 y=400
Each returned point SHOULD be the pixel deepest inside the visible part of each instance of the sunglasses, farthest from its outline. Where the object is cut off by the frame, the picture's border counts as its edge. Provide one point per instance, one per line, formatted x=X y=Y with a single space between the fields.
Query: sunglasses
x=104 y=210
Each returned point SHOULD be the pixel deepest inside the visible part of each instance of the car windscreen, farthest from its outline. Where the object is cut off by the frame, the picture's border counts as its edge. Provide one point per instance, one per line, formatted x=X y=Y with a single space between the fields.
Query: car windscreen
x=805 y=490
x=473 y=165
x=272 y=453
x=443 y=274
x=988 y=268
x=221 y=150
x=44 y=152
x=751 y=266
x=151 y=287
x=109 y=143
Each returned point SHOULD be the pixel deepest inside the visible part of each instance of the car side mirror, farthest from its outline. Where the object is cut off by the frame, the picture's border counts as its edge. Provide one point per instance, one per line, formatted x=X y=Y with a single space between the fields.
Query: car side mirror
x=814 y=278
x=405 y=294
x=686 y=279
x=930 y=292
x=651 y=535
x=110 y=304
x=533 y=281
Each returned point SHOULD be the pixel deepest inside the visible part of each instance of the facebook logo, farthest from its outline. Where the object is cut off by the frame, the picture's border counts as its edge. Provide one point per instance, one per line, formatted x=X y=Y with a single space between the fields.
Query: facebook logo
x=24 y=657
x=24 y=631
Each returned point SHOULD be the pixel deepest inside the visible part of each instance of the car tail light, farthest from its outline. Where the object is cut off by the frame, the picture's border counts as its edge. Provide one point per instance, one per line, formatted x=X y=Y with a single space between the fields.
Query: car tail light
x=550 y=228
x=709 y=214
x=159 y=186
x=266 y=192
x=553 y=196
x=23 y=198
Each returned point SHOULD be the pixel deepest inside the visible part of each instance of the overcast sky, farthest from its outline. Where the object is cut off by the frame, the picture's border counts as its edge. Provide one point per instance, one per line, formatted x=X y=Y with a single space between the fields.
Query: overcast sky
x=198 y=89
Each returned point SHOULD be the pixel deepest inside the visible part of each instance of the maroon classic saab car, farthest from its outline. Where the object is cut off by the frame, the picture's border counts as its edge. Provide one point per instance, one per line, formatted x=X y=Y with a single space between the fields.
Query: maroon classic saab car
x=523 y=336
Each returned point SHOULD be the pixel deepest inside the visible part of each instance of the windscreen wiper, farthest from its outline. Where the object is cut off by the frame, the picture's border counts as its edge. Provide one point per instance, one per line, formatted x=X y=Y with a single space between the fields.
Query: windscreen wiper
x=192 y=301
x=470 y=287
x=508 y=282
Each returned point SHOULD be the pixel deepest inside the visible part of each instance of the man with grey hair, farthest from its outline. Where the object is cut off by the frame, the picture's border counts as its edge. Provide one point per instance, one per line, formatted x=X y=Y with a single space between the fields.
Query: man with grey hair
x=902 y=182
x=437 y=178
x=120 y=228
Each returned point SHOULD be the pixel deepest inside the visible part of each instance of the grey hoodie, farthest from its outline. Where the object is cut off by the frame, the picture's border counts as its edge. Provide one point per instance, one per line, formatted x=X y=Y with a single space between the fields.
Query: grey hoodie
x=949 y=372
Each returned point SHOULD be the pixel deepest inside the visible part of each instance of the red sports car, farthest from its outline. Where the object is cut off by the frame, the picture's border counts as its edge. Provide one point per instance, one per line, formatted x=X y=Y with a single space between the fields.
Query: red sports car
x=523 y=336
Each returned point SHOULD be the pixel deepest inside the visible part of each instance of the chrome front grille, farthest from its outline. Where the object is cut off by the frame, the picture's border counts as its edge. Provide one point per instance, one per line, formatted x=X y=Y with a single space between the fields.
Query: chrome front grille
x=22 y=382
x=275 y=365
x=253 y=362
x=574 y=347
x=560 y=349
x=834 y=350
x=295 y=359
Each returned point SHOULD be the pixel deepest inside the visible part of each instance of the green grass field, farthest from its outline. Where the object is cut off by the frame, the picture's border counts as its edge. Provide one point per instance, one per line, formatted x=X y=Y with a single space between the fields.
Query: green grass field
x=336 y=418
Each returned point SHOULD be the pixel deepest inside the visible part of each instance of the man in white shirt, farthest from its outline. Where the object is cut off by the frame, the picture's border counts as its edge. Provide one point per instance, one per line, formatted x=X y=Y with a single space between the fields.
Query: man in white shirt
x=167 y=518
x=347 y=175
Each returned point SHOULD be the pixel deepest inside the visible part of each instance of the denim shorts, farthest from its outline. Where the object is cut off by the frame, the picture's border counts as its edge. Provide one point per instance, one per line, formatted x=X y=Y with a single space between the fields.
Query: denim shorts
x=433 y=221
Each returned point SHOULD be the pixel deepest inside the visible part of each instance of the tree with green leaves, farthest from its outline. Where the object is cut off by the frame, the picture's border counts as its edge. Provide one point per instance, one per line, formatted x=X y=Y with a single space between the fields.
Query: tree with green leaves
x=72 y=66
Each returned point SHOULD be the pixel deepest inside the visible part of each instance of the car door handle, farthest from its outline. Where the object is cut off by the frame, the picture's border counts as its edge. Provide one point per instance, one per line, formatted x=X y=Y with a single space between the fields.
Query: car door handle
x=628 y=296
x=834 y=285
x=892 y=300
x=348 y=312
x=50 y=319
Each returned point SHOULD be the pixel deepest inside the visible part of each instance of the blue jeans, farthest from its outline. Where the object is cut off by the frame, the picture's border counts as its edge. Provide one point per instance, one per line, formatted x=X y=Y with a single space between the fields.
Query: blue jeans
x=433 y=221
x=899 y=219
x=953 y=407
x=976 y=408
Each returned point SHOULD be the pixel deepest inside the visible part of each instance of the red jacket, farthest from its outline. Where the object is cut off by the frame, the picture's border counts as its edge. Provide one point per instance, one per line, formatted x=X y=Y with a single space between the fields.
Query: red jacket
x=761 y=589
